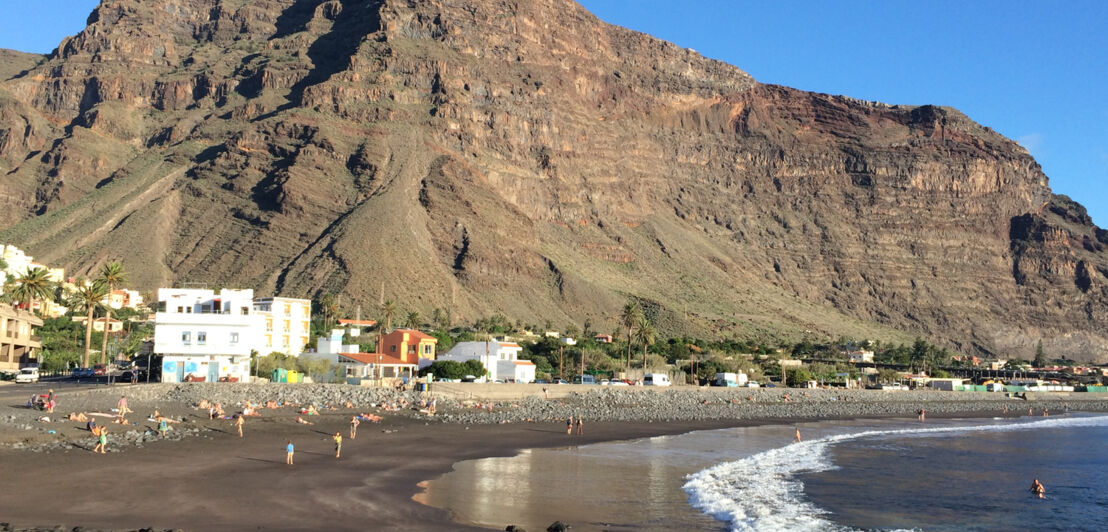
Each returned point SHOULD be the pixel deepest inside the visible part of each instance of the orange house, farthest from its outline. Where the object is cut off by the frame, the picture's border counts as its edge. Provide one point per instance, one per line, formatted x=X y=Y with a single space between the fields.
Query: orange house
x=409 y=345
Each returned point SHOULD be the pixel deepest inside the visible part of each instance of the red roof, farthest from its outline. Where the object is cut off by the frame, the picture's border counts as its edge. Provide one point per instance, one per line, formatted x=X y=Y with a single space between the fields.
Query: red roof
x=362 y=323
x=508 y=344
x=525 y=363
x=375 y=358
x=414 y=334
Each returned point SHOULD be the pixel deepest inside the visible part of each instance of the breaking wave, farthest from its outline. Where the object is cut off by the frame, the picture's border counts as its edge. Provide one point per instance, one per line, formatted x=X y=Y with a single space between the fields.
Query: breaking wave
x=762 y=492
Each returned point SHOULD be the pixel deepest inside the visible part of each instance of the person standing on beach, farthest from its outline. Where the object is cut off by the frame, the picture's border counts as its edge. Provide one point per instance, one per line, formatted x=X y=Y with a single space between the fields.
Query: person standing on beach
x=239 y=420
x=101 y=441
x=922 y=414
x=288 y=453
x=163 y=426
x=569 y=425
x=338 y=444
x=797 y=439
x=50 y=401
x=121 y=406
x=354 y=426
x=580 y=425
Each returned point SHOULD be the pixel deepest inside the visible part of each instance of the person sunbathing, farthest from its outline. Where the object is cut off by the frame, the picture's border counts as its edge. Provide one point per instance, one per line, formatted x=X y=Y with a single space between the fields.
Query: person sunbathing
x=80 y=416
x=303 y=421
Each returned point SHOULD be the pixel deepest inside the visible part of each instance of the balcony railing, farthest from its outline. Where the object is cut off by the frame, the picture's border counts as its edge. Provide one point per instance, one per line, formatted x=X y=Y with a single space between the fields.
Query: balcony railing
x=36 y=338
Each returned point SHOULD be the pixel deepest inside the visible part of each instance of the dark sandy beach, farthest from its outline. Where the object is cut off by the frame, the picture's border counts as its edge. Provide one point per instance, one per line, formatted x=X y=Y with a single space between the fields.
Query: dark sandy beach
x=213 y=480
x=227 y=483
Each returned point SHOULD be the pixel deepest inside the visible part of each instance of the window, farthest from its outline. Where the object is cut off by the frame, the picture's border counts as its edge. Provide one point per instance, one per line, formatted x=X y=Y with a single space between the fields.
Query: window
x=288 y=309
x=268 y=340
x=201 y=338
x=305 y=326
x=427 y=349
x=393 y=349
x=269 y=325
x=287 y=325
x=234 y=338
x=245 y=311
x=186 y=338
x=180 y=310
x=285 y=341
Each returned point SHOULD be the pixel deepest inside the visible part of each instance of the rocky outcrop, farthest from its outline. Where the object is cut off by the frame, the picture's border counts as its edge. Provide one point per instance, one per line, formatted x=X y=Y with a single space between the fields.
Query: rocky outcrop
x=525 y=158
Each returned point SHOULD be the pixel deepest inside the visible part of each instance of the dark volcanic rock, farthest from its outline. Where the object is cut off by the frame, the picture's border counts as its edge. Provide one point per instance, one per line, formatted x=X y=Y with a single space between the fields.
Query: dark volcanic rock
x=528 y=159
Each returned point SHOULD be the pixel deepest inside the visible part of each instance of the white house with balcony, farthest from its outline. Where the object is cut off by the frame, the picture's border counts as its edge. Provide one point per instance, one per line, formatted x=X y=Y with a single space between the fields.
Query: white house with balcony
x=286 y=323
x=501 y=359
x=204 y=335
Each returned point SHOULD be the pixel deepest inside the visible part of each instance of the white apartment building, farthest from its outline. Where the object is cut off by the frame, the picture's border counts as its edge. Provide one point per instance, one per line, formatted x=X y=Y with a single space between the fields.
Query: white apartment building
x=501 y=359
x=286 y=324
x=205 y=335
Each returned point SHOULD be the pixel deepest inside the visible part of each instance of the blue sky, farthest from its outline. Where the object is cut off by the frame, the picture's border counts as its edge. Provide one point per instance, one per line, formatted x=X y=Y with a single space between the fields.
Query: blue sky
x=1036 y=71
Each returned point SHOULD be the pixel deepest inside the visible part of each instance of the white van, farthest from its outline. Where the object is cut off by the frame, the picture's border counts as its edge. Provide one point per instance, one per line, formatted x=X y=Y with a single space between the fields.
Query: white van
x=656 y=379
x=27 y=375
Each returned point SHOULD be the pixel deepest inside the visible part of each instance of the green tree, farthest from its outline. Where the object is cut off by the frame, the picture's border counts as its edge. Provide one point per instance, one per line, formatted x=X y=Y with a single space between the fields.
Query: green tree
x=33 y=285
x=413 y=320
x=646 y=334
x=388 y=310
x=112 y=275
x=629 y=318
x=445 y=369
x=1040 y=358
x=474 y=367
x=441 y=318
x=89 y=298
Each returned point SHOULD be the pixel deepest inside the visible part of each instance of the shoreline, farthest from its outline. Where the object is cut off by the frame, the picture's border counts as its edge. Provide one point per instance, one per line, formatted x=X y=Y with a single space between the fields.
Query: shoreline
x=216 y=481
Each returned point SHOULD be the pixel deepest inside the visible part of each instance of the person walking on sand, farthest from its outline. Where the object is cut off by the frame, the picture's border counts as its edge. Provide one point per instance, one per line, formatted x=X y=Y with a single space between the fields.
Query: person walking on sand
x=1037 y=489
x=922 y=414
x=569 y=425
x=580 y=425
x=797 y=439
x=354 y=426
x=338 y=444
x=101 y=441
x=51 y=401
x=239 y=420
x=121 y=406
x=288 y=453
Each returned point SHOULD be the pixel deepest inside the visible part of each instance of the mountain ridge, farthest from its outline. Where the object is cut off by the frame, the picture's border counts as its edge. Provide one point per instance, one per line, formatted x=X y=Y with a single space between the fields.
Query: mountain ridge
x=527 y=159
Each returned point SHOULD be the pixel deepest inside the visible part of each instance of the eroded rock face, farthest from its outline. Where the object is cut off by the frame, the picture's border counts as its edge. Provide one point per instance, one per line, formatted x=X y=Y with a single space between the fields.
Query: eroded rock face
x=528 y=159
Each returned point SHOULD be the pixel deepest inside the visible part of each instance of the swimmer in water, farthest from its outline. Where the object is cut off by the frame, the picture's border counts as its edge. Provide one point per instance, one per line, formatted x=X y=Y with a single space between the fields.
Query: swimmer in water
x=1038 y=489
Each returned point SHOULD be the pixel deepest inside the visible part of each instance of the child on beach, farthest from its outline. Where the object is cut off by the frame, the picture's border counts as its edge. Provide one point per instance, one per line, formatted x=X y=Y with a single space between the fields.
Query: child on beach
x=101 y=441
x=239 y=422
x=797 y=439
x=338 y=444
x=288 y=453
x=354 y=426
x=163 y=426
x=569 y=425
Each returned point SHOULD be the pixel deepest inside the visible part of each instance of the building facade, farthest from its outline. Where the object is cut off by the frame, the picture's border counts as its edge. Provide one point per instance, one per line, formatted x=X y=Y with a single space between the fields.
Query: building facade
x=19 y=346
x=501 y=359
x=287 y=325
x=203 y=335
x=403 y=343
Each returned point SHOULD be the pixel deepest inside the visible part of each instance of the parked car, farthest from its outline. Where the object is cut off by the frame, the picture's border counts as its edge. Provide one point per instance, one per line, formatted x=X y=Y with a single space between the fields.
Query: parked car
x=584 y=379
x=100 y=369
x=540 y=381
x=27 y=375
x=618 y=382
x=132 y=375
x=656 y=379
x=560 y=381
x=80 y=373
x=894 y=386
x=752 y=384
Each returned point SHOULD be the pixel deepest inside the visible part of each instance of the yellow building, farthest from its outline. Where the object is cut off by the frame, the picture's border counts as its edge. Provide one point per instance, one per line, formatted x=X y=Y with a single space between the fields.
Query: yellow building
x=287 y=323
x=409 y=345
x=18 y=344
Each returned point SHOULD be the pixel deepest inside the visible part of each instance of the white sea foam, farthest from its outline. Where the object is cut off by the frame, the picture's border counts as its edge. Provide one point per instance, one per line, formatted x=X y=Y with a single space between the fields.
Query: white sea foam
x=761 y=492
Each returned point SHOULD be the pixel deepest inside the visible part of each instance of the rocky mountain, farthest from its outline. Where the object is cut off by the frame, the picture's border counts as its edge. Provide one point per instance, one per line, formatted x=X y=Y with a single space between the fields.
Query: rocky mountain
x=528 y=159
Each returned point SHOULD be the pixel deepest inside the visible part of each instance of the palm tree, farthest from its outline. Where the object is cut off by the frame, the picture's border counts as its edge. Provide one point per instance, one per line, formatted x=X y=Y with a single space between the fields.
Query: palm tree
x=388 y=309
x=438 y=317
x=631 y=316
x=89 y=296
x=646 y=334
x=413 y=319
x=34 y=285
x=112 y=274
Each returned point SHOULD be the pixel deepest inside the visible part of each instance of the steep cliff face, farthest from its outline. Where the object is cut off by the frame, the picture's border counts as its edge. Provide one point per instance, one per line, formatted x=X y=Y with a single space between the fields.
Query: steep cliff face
x=526 y=158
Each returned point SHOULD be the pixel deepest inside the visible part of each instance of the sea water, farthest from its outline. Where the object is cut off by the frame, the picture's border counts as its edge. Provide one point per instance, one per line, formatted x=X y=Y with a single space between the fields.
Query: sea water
x=970 y=474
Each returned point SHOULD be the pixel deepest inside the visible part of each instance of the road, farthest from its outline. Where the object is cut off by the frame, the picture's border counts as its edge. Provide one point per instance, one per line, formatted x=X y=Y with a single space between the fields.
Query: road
x=20 y=392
